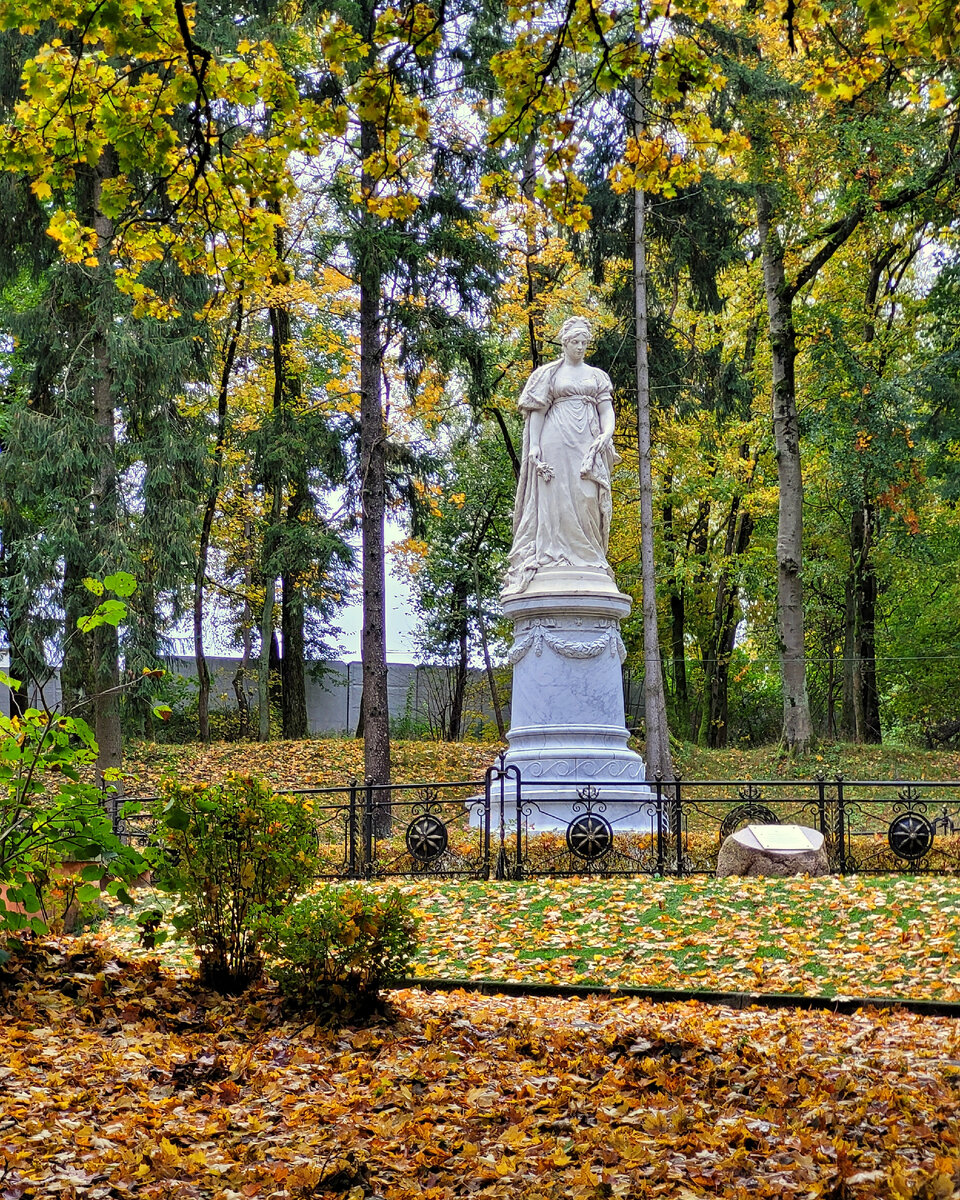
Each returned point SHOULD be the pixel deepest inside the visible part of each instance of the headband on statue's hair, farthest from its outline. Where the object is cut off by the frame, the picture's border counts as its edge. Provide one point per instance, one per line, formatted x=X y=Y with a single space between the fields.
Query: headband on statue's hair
x=574 y=325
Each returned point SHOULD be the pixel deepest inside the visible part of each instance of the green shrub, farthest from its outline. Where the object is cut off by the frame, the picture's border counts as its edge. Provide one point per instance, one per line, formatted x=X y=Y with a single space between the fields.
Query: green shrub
x=233 y=851
x=51 y=814
x=51 y=811
x=336 y=949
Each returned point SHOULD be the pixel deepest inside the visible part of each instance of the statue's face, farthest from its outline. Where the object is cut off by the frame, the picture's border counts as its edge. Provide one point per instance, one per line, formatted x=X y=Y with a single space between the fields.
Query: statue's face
x=575 y=347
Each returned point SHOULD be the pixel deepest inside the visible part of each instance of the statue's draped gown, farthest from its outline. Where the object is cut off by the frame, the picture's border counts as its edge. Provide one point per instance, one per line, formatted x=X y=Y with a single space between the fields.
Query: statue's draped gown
x=562 y=521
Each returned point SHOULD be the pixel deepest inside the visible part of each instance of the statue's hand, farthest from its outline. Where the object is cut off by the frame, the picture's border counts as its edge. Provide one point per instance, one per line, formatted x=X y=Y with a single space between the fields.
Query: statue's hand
x=601 y=442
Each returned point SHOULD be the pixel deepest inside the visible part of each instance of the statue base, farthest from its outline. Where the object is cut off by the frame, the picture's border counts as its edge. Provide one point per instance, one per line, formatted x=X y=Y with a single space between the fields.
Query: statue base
x=568 y=737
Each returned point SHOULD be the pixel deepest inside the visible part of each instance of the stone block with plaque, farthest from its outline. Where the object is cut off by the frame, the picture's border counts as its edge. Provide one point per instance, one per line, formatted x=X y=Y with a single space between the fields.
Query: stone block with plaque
x=776 y=850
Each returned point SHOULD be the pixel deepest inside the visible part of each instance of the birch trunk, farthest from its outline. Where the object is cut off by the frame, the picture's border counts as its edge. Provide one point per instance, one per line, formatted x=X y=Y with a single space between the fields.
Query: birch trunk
x=659 y=759
x=677 y=612
x=488 y=666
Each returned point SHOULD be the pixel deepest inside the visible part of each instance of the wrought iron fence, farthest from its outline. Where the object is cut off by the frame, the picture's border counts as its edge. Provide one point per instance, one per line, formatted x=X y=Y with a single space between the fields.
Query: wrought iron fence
x=509 y=827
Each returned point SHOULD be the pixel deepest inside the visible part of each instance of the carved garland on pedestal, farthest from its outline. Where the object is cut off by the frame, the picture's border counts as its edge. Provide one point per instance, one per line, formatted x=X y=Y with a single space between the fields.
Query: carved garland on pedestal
x=541 y=635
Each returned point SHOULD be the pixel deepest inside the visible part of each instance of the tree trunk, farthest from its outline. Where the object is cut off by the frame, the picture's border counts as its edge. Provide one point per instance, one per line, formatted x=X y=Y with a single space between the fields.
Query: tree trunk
x=199 y=654
x=870 y=728
x=268 y=639
x=22 y=656
x=659 y=759
x=831 y=690
x=240 y=692
x=76 y=683
x=848 y=720
x=292 y=666
x=139 y=702
x=104 y=498
x=246 y=622
x=286 y=392
x=861 y=703
x=534 y=310
x=714 y=726
x=677 y=612
x=240 y=678
x=488 y=666
x=374 y=706
x=263 y=671
x=209 y=512
x=460 y=671
x=797 y=725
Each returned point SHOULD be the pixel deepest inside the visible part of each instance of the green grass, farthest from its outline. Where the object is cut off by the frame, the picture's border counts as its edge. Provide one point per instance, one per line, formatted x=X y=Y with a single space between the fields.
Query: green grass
x=882 y=936
x=866 y=936
x=892 y=761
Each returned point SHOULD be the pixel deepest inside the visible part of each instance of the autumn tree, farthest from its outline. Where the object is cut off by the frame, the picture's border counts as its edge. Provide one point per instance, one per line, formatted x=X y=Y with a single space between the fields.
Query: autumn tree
x=66 y=515
x=417 y=257
x=572 y=68
x=126 y=143
x=456 y=556
x=822 y=96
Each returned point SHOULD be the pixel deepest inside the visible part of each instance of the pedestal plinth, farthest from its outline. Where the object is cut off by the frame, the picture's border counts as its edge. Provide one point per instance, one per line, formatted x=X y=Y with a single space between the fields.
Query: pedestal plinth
x=567 y=733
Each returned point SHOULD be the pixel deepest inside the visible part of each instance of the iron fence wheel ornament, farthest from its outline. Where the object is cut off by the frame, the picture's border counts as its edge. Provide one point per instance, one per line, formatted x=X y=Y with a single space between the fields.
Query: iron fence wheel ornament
x=910 y=835
x=426 y=837
x=589 y=836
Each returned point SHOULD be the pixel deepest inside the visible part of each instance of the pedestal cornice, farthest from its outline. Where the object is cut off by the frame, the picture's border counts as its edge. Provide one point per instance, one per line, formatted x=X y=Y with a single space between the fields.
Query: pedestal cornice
x=517 y=605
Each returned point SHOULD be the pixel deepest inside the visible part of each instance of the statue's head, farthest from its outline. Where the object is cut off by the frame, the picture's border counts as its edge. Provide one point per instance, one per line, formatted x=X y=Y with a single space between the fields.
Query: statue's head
x=573 y=326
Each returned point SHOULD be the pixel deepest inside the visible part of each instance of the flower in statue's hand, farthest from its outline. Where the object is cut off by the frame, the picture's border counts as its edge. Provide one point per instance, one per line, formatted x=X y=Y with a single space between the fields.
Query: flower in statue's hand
x=544 y=470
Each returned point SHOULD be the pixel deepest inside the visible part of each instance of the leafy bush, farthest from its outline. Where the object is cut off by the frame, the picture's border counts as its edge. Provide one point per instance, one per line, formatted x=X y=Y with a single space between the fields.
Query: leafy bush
x=755 y=703
x=50 y=810
x=234 y=851
x=335 y=950
x=49 y=814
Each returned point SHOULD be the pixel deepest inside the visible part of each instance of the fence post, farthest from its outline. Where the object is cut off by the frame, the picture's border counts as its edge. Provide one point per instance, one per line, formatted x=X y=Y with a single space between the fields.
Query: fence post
x=822 y=803
x=352 y=829
x=658 y=779
x=501 y=869
x=678 y=822
x=368 y=828
x=841 y=828
x=114 y=806
x=487 y=779
x=518 y=869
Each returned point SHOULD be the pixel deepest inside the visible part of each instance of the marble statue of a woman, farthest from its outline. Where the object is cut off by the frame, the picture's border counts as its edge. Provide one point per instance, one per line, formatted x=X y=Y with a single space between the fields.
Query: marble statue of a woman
x=562 y=513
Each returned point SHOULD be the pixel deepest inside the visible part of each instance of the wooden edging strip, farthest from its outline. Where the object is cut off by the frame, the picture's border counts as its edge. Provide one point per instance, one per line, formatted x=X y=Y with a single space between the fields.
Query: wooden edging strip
x=738 y=1000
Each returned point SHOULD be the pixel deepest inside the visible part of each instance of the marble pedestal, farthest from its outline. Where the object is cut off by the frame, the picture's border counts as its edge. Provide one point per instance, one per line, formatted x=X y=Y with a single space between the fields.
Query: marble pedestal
x=567 y=734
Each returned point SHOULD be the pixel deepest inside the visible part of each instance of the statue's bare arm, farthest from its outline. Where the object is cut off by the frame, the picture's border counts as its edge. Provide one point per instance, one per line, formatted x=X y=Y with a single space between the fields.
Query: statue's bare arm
x=607 y=422
x=536 y=429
